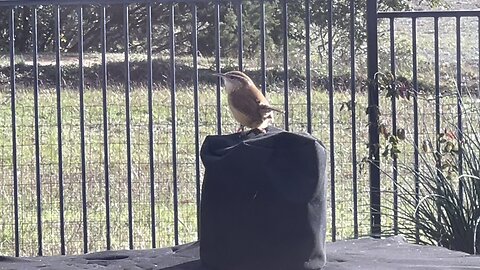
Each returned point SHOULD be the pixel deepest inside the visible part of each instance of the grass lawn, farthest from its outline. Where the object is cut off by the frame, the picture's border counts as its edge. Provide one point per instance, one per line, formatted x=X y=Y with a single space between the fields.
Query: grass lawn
x=163 y=162
x=140 y=176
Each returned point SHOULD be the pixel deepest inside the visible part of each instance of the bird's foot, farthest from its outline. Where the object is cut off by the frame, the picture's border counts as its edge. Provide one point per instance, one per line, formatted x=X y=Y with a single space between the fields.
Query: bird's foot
x=241 y=128
x=256 y=131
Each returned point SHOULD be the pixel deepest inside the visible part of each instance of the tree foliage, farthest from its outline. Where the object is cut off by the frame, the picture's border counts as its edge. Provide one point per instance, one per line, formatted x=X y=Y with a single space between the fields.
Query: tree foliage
x=69 y=21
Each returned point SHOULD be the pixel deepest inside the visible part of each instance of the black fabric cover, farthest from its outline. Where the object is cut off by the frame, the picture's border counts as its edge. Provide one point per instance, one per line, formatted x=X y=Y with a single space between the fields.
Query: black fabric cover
x=263 y=202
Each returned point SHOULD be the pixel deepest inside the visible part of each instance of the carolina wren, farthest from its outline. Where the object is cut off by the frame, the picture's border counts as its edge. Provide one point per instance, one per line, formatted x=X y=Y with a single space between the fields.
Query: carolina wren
x=248 y=105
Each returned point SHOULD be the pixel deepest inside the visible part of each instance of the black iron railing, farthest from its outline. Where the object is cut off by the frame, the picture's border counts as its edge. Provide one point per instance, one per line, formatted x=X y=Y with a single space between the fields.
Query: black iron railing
x=414 y=16
x=166 y=202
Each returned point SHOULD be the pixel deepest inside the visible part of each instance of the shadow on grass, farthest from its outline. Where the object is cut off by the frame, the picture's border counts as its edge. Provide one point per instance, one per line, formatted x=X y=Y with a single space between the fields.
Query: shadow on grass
x=116 y=73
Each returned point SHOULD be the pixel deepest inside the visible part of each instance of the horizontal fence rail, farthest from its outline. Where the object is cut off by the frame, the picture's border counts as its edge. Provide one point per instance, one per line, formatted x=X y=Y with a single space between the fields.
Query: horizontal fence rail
x=100 y=2
x=104 y=106
x=428 y=14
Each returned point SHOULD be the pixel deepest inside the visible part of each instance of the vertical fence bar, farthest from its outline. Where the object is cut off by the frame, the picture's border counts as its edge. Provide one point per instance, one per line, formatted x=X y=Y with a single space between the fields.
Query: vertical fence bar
x=127 y=122
x=437 y=83
x=151 y=150
x=217 y=68
x=331 y=118
x=415 y=125
x=173 y=104
x=307 y=66
x=262 y=47
x=58 y=87
x=354 y=122
x=478 y=73
x=437 y=100
x=240 y=35
x=14 y=129
x=82 y=128
x=459 y=107
x=196 y=112
x=106 y=157
x=394 y=126
x=437 y=105
x=373 y=113
x=285 y=62
x=37 y=131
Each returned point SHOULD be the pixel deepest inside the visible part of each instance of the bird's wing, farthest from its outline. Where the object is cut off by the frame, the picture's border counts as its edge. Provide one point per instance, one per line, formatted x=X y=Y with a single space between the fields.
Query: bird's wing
x=245 y=103
x=264 y=105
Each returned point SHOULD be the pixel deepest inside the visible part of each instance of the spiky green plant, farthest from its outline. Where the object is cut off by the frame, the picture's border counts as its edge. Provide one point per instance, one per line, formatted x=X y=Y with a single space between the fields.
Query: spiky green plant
x=439 y=201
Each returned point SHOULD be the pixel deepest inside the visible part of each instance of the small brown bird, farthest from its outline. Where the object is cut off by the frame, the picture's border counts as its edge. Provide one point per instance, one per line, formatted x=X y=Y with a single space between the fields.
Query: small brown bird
x=247 y=104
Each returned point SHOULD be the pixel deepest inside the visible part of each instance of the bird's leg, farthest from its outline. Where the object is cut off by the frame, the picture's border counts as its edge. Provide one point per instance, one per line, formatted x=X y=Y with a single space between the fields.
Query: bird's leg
x=241 y=128
x=242 y=131
x=262 y=130
x=256 y=131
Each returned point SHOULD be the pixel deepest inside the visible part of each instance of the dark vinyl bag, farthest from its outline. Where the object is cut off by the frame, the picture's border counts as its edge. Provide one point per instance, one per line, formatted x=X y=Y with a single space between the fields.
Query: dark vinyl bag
x=263 y=203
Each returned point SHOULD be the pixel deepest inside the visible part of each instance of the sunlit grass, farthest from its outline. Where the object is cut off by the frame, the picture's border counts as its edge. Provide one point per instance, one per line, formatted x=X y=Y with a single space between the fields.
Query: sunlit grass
x=163 y=179
x=94 y=170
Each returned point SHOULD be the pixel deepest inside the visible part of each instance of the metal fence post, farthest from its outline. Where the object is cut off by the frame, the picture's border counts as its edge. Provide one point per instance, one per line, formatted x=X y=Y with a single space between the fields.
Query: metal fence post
x=373 y=112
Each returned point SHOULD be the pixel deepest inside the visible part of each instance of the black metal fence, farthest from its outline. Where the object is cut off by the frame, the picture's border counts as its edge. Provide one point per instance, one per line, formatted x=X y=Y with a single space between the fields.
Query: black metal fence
x=113 y=162
x=450 y=84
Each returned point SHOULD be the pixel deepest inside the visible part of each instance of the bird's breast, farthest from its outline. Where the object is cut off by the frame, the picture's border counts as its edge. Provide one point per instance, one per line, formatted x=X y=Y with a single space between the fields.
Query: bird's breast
x=242 y=118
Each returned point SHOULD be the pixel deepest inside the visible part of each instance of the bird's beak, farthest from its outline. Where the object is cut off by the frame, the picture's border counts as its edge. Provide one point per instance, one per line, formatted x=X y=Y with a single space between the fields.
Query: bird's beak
x=221 y=75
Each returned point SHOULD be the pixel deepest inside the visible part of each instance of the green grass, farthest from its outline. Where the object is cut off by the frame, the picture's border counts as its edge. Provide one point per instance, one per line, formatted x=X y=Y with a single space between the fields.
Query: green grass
x=163 y=162
x=140 y=176
x=447 y=43
x=163 y=159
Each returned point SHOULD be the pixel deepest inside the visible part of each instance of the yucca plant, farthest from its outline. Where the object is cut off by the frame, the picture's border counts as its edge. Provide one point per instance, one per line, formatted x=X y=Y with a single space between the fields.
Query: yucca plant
x=439 y=202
